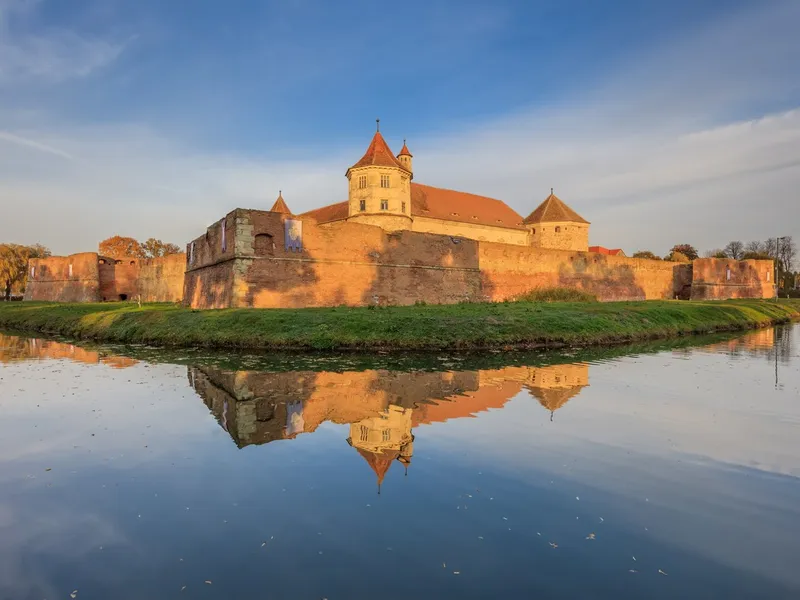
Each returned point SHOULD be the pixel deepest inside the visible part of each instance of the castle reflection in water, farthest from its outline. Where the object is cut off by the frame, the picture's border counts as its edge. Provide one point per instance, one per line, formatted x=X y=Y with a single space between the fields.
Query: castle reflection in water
x=382 y=407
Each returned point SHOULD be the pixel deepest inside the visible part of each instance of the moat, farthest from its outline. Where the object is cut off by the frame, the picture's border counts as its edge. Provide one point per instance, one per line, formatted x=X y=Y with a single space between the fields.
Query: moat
x=668 y=470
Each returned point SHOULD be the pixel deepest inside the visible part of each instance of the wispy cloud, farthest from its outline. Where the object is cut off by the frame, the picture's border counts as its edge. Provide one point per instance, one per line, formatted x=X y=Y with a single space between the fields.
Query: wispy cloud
x=50 y=55
x=698 y=140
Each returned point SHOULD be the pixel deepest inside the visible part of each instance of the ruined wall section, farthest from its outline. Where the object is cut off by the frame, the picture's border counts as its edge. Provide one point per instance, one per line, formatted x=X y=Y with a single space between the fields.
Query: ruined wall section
x=118 y=278
x=161 y=279
x=73 y=278
x=509 y=271
x=722 y=279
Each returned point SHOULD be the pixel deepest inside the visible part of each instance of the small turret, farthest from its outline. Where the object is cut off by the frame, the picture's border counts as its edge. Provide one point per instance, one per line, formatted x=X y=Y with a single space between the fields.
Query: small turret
x=280 y=206
x=405 y=157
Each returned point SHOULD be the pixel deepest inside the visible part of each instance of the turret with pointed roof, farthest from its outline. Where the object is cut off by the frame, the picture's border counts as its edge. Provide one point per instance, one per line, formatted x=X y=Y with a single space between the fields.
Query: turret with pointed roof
x=555 y=225
x=404 y=158
x=380 y=187
x=280 y=206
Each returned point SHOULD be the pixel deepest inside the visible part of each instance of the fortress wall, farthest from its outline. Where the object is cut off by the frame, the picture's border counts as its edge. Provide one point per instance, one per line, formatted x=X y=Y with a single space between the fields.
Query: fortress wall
x=721 y=279
x=161 y=279
x=352 y=264
x=118 y=278
x=346 y=263
x=53 y=282
x=508 y=271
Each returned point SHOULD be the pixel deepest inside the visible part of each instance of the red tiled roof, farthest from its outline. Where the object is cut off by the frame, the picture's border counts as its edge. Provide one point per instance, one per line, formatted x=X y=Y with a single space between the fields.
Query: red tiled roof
x=405 y=151
x=449 y=205
x=607 y=251
x=378 y=154
x=554 y=210
x=379 y=461
x=333 y=212
x=280 y=206
x=440 y=203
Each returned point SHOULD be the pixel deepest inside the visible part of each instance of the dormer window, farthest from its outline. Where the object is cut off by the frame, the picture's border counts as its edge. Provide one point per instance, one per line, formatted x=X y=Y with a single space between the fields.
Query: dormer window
x=384 y=181
x=362 y=182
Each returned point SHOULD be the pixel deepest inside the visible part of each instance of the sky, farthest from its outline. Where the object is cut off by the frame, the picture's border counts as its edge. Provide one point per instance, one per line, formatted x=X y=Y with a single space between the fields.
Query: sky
x=659 y=122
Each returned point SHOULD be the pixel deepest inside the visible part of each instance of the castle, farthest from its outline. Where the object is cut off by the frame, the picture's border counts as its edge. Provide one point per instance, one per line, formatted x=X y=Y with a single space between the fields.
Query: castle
x=381 y=192
x=392 y=242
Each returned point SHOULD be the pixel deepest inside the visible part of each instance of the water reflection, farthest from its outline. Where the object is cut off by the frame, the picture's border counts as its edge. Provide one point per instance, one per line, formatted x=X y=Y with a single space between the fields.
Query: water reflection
x=382 y=407
x=661 y=473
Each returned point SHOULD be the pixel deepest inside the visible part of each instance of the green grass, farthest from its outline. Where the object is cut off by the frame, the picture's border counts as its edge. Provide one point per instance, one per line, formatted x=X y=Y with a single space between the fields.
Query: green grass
x=557 y=294
x=433 y=327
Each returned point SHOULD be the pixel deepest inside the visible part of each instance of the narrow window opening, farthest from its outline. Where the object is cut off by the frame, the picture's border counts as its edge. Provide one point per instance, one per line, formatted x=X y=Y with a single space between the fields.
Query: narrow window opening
x=362 y=205
x=384 y=181
x=70 y=270
x=133 y=262
x=558 y=229
x=362 y=182
x=384 y=205
x=403 y=206
x=728 y=274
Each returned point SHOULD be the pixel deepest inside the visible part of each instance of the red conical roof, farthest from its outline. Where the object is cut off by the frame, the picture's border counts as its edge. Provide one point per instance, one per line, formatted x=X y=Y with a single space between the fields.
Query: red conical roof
x=405 y=151
x=379 y=461
x=378 y=154
x=280 y=206
x=553 y=209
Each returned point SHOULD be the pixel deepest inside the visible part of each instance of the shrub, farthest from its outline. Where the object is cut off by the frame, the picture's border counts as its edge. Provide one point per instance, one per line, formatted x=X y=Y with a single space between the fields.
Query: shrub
x=558 y=294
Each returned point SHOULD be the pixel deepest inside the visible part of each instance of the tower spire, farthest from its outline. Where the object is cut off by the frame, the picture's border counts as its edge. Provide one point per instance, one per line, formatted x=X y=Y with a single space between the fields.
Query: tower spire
x=377 y=125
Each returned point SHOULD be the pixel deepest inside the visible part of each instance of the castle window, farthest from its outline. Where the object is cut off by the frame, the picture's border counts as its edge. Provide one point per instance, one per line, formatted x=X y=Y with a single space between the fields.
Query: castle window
x=117 y=262
x=364 y=433
x=133 y=262
x=728 y=274
x=102 y=261
x=403 y=206
x=33 y=272
x=558 y=229
x=362 y=182
x=767 y=275
x=384 y=205
x=362 y=205
x=533 y=231
x=384 y=181
x=386 y=435
x=404 y=181
x=264 y=245
x=70 y=270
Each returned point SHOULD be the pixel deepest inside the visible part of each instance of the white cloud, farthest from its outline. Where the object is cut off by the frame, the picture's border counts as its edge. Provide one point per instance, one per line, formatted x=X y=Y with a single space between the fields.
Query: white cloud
x=696 y=141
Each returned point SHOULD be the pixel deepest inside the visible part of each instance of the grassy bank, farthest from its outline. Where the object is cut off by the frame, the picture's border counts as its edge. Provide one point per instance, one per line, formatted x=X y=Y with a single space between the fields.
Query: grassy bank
x=517 y=324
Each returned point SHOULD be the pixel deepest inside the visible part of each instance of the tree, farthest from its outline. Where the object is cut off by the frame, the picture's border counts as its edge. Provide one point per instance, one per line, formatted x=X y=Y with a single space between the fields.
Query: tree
x=646 y=254
x=154 y=248
x=735 y=250
x=121 y=247
x=14 y=265
x=676 y=256
x=718 y=253
x=754 y=248
x=686 y=249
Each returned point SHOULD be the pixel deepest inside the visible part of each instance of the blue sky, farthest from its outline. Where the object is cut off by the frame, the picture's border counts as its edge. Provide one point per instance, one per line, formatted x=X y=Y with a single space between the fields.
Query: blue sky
x=151 y=118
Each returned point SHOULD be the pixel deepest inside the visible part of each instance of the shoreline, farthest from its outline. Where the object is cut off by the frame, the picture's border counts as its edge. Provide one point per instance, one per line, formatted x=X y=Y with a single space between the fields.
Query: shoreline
x=454 y=327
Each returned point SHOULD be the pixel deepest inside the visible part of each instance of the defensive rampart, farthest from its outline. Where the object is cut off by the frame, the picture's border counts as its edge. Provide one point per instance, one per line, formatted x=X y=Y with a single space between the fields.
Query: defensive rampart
x=260 y=264
x=722 y=279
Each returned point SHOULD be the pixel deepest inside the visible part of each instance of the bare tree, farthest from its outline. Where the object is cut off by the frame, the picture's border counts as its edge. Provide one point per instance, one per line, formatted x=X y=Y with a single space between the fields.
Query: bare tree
x=735 y=250
x=754 y=248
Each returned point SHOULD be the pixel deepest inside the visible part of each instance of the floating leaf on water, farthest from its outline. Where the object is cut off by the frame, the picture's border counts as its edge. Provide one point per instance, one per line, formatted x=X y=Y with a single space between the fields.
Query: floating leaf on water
x=662 y=572
x=208 y=582
x=553 y=545
x=183 y=588
x=590 y=536
x=74 y=594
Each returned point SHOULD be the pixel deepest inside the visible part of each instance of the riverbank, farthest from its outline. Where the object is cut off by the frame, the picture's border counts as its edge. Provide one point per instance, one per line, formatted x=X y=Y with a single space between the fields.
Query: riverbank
x=440 y=327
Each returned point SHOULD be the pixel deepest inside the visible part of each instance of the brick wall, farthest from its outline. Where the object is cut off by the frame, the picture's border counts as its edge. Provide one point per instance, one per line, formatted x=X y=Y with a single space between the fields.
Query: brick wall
x=721 y=279
x=508 y=271
x=50 y=279
x=118 y=278
x=355 y=264
x=161 y=279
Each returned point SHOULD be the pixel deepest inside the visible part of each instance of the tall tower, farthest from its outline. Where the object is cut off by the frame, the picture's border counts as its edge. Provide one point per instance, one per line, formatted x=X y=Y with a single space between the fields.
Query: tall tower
x=380 y=187
x=404 y=158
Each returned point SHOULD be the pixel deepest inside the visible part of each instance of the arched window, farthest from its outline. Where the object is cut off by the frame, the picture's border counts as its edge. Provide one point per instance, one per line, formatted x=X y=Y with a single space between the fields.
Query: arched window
x=133 y=262
x=264 y=245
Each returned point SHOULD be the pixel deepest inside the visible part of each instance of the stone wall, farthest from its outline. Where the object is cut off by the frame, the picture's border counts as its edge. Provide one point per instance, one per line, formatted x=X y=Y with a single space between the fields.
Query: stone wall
x=118 y=277
x=560 y=236
x=721 y=279
x=346 y=263
x=502 y=235
x=73 y=278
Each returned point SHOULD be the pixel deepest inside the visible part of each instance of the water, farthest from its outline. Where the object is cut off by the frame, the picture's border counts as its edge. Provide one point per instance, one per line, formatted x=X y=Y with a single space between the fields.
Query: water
x=669 y=472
